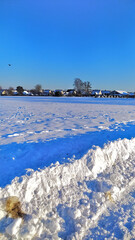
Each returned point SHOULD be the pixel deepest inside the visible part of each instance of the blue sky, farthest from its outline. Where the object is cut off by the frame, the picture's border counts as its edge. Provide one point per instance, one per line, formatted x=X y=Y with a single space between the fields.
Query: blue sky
x=52 y=42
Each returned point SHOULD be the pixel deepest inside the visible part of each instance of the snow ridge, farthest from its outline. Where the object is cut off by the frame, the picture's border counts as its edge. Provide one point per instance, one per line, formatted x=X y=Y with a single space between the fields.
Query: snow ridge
x=66 y=201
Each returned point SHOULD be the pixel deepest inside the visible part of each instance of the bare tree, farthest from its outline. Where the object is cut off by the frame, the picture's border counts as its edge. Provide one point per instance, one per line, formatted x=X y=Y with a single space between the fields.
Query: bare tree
x=78 y=85
x=87 y=87
x=20 y=90
x=38 y=89
x=10 y=91
x=82 y=87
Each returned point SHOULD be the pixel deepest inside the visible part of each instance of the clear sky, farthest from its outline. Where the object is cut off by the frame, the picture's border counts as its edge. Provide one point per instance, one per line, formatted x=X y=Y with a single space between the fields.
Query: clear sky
x=51 y=42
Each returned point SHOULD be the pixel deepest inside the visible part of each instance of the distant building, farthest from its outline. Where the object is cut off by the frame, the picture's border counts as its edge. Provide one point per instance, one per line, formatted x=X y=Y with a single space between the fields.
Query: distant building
x=131 y=94
x=4 y=93
x=71 y=92
x=14 y=92
x=105 y=93
x=47 y=92
x=26 y=93
x=58 y=92
x=96 y=93
x=119 y=93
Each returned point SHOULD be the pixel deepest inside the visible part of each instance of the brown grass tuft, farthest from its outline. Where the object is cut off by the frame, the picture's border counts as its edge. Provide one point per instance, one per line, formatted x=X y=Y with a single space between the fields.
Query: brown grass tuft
x=108 y=196
x=13 y=207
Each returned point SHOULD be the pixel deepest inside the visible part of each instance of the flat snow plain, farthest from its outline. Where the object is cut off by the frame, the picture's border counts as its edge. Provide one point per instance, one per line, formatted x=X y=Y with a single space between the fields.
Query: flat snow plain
x=71 y=163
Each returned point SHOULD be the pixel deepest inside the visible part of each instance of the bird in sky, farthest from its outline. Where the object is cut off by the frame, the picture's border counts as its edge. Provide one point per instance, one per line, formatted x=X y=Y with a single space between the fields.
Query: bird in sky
x=9 y=65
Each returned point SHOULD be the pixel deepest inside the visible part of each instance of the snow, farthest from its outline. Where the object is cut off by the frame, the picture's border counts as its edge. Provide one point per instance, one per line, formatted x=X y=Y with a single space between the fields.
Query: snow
x=13 y=228
x=122 y=92
x=71 y=162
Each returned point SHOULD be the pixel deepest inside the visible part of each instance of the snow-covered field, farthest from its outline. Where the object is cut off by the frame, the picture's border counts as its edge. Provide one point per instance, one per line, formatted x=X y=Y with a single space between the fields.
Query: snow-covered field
x=71 y=163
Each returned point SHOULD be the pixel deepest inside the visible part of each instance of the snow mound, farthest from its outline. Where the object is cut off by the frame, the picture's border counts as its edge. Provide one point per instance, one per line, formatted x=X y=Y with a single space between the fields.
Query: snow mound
x=65 y=201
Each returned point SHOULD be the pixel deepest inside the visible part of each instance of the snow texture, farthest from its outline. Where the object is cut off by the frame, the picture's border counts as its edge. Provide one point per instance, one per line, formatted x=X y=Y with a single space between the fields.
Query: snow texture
x=71 y=162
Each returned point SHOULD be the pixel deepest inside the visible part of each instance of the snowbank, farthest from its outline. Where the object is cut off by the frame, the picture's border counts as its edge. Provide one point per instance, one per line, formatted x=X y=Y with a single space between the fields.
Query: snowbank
x=65 y=201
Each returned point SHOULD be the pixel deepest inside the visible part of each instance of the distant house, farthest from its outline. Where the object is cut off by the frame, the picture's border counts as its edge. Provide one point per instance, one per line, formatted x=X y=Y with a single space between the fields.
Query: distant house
x=47 y=92
x=131 y=95
x=119 y=93
x=58 y=92
x=14 y=92
x=105 y=93
x=96 y=93
x=31 y=94
x=4 y=93
x=71 y=92
x=25 y=93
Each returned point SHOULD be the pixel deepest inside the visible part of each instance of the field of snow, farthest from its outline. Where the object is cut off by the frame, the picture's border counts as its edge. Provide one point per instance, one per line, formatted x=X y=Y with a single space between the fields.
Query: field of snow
x=71 y=163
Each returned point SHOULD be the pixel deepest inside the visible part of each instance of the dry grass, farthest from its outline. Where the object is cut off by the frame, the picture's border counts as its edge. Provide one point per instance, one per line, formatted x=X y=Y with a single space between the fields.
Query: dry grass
x=108 y=196
x=13 y=207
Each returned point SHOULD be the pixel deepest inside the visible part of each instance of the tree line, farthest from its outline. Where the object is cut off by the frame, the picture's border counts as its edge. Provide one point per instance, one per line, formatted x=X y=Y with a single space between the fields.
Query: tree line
x=37 y=90
x=80 y=88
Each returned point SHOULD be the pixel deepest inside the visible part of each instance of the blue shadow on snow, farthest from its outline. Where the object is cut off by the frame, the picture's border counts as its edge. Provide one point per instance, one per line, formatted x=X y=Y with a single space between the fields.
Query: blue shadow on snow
x=16 y=158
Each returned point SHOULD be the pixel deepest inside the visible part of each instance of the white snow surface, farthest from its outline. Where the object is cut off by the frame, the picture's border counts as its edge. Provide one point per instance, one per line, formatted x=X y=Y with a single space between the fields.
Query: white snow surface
x=71 y=162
